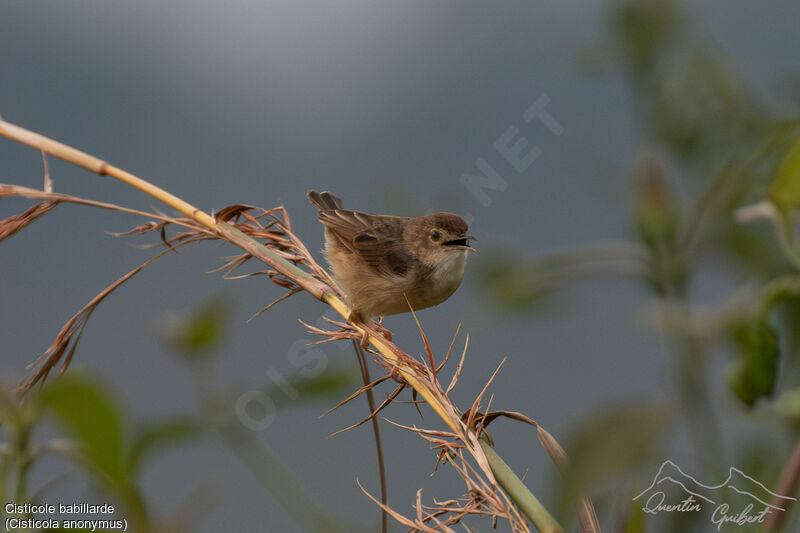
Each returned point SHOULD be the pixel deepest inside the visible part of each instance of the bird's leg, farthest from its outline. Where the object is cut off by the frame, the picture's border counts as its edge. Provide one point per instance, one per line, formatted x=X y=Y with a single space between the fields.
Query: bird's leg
x=396 y=375
x=386 y=333
x=365 y=339
x=355 y=317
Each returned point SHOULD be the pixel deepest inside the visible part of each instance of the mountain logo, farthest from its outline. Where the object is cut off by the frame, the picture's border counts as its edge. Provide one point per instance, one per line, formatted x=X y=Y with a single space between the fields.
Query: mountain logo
x=739 y=500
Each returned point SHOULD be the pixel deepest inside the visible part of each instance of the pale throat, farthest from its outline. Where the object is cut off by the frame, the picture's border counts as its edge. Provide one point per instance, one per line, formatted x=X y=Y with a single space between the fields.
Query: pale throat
x=450 y=270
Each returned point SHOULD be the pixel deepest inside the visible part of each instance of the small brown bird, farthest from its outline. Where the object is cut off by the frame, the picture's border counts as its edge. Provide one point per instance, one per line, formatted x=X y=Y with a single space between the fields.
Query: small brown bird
x=384 y=263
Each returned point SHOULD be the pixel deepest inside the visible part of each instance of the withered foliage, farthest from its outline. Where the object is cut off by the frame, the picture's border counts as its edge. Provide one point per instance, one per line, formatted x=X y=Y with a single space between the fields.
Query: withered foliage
x=271 y=227
x=266 y=234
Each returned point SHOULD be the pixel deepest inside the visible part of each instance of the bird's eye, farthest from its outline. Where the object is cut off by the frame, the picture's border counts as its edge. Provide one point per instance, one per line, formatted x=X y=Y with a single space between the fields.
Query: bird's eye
x=436 y=236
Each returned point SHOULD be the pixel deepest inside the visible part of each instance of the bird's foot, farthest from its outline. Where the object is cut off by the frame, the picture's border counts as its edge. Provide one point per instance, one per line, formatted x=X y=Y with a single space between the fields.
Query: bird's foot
x=356 y=319
x=364 y=339
x=396 y=375
x=382 y=330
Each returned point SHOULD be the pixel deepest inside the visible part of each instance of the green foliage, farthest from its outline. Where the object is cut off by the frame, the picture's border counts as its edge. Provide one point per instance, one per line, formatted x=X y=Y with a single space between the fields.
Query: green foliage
x=200 y=332
x=788 y=406
x=617 y=441
x=689 y=99
x=656 y=211
x=784 y=191
x=326 y=386
x=89 y=414
x=513 y=285
x=657 y=217
x=634 y=522
x=754 y=374
x=712 y=148
x=643 y=29
x=157 y=436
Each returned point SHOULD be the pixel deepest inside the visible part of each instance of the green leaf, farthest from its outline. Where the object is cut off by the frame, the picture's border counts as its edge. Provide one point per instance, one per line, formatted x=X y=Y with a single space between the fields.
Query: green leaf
x=643 y=29
x=332 y=382
x=781 y=289
x=788 y=405
x=88 y=413
x=784 y=191
x=608 y=445
x=197 y=333
x=634 y=522
x=160 y=435
x=514 y=285
x=756 y=371
x=656 y=209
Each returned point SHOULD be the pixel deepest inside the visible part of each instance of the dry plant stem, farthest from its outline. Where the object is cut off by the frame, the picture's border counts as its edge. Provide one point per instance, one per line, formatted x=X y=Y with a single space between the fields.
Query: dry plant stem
x=98 y=166
x=790 y=479
x=56 y=198
x=376 y=431
x=522 y=496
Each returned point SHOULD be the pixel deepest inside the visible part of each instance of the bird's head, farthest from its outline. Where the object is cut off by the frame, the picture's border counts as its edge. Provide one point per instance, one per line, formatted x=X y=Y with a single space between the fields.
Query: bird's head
x=438 y=237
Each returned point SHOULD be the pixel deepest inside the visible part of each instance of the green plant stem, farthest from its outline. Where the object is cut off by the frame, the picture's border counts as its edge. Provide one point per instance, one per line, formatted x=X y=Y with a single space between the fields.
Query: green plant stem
x=136 y=509
x=691 y=368
x=260 y=459
x=518 y=492
x=688 y=357
x=4 y=473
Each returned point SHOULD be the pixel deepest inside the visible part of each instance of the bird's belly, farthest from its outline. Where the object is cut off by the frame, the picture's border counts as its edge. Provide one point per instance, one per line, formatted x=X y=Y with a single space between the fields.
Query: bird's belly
x=435 y=289
x=381 y=296
x=392 y=302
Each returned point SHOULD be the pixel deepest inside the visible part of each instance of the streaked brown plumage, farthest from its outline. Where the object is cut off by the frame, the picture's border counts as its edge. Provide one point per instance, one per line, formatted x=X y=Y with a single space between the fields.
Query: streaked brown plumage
x=383 y=262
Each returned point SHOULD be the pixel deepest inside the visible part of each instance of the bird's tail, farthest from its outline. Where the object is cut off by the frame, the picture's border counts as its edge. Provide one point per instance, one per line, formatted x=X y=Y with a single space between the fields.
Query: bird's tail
x=324 y=201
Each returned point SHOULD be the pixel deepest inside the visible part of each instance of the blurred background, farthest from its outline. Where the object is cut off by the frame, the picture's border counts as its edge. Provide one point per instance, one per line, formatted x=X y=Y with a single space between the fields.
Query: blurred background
x=639 y=319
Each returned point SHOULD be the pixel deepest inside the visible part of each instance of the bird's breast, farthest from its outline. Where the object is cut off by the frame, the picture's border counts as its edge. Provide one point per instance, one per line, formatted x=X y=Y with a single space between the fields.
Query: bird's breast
x=444 y=279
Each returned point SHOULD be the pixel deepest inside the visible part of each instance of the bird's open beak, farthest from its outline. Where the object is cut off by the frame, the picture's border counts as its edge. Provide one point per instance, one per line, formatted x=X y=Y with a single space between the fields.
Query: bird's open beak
x=462 y=243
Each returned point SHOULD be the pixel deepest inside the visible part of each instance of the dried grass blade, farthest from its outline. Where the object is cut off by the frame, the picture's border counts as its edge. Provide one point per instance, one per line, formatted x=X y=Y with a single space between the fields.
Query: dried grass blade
x=474 y=409
x=73 y=329
x=163 y=234
x=400 y=518
x=15 y=223
x=491 y=416
x=48 y=180
x=377 y=410
x=355 y=395
x=141 y=229
x=227 y=213
x=457 y=373
x=416 y=403
x=282 y=298
x=7 y=190
x=449 y=350
x=234 y=262
x=586 y=512
x=428 y=350
x=248 y=275
x=433 y=432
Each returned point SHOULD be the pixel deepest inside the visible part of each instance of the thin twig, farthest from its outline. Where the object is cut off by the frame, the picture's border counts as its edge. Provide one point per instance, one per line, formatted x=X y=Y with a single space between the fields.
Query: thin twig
x=787 y=487
x=376 y=431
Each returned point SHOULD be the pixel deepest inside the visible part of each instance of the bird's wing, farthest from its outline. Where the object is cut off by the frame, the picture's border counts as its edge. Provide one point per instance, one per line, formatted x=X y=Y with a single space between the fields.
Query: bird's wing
x=376 y=239
x=324 y=200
